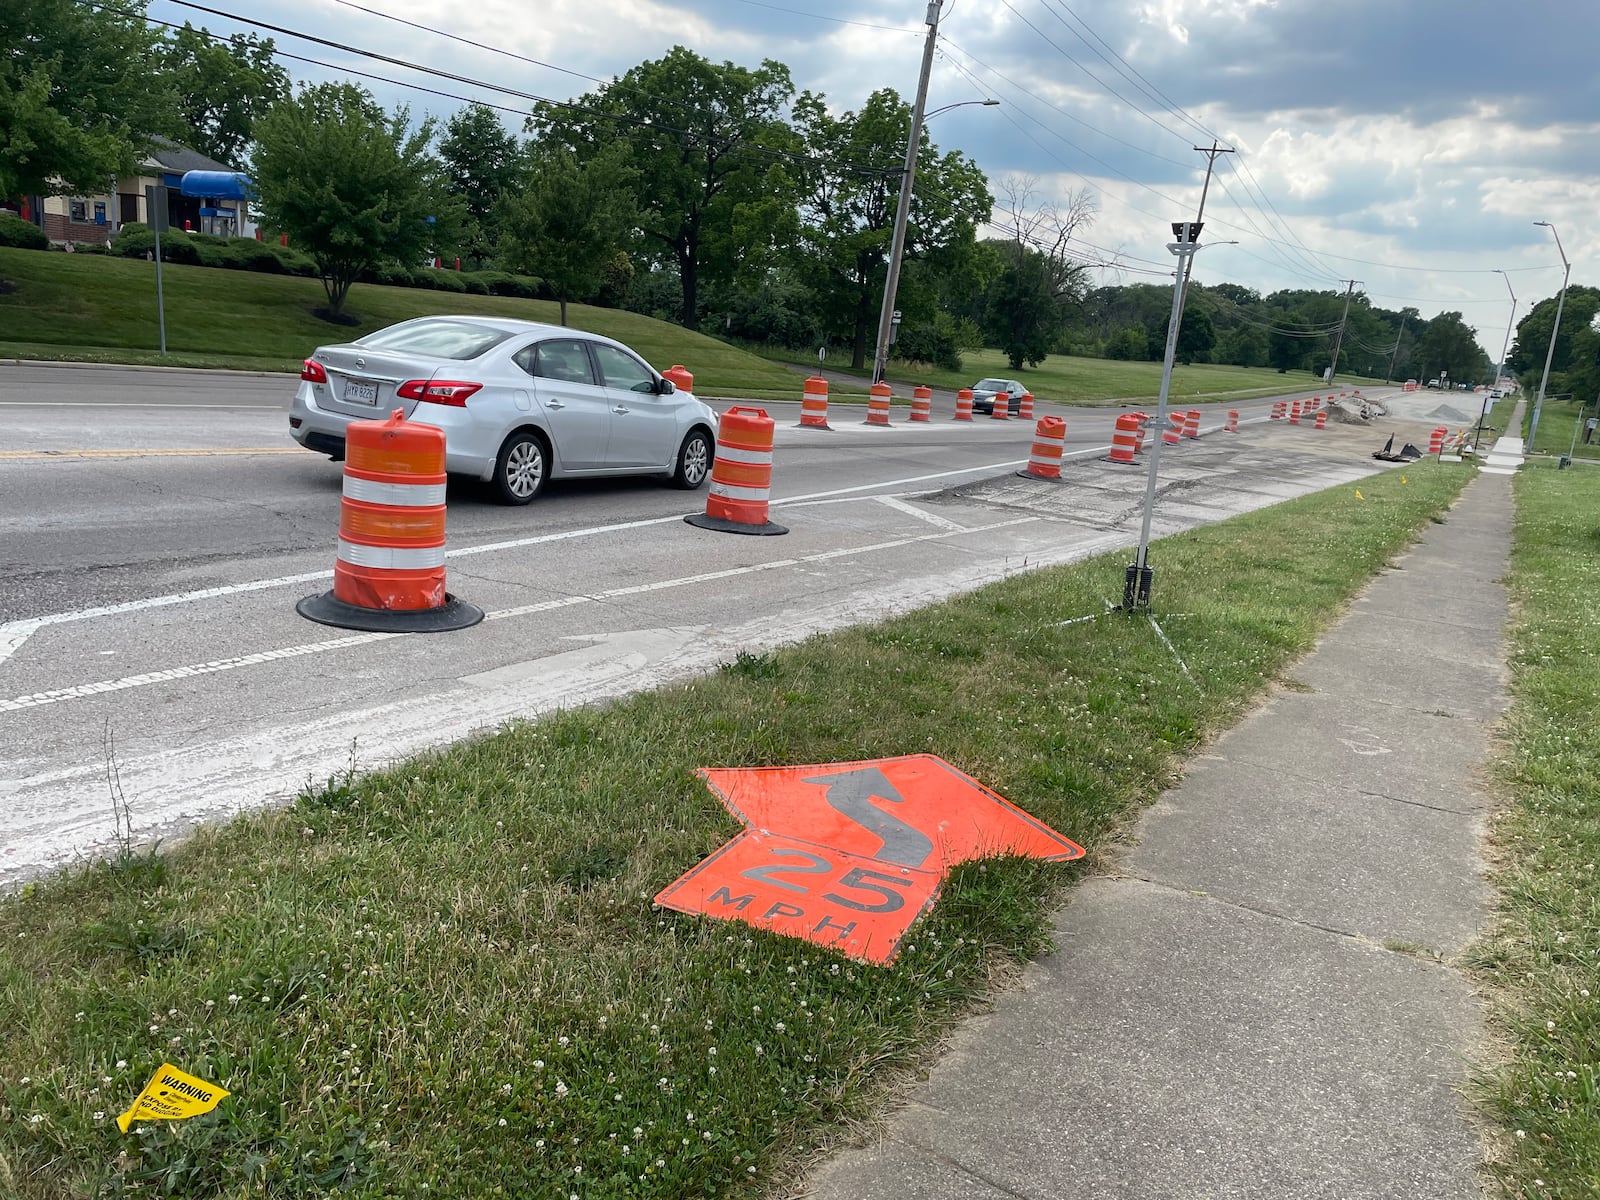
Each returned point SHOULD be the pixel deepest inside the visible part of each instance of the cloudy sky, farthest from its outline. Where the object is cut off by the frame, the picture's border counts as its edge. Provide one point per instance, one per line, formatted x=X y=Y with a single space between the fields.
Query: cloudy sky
x=1408 y=144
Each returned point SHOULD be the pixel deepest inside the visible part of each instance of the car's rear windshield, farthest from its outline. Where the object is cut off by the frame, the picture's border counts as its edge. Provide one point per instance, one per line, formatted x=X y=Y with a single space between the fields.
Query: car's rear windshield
x=991 y=385
x=438 y=339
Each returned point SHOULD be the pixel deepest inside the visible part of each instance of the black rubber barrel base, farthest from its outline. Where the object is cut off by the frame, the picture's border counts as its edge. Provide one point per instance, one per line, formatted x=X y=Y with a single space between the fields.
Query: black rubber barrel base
x=327 y=609
x=723 y=525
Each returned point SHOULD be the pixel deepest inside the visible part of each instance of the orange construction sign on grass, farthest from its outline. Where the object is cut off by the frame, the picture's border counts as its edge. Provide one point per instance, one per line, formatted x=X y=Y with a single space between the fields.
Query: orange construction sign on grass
x=848 y=855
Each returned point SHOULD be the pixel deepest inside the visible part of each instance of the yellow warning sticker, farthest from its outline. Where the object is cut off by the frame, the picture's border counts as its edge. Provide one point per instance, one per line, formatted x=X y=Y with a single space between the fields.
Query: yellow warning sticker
x=172 y=1095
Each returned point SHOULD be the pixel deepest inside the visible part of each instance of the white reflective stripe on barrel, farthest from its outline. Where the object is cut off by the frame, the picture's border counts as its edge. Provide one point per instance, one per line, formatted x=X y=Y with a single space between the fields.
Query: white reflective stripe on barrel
x=404 y=495
x=729 y=491
x=392 y=558
x=755 y=458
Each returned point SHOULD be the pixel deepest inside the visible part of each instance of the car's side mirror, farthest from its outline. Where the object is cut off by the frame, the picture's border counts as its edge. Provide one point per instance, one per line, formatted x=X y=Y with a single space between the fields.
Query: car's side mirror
x=665 y=387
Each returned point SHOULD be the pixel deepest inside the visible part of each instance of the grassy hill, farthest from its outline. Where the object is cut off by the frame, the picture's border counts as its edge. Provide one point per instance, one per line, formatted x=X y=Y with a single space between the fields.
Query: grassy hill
x=92 y=308
x=88 y=307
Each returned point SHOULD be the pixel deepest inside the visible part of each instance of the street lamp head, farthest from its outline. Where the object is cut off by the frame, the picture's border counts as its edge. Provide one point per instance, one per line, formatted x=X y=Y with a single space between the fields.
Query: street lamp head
x=990 y=103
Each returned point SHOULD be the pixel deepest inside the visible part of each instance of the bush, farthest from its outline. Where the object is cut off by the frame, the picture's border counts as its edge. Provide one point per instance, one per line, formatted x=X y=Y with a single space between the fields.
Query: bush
x=20 y=234
x=390 y=274
x=524 y=287
x=439 y=281
x=136 y=241
x=474 y=285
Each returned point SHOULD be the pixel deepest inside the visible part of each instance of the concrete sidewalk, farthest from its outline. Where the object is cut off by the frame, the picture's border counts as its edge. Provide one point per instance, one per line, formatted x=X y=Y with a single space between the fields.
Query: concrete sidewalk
x=1254 y=1003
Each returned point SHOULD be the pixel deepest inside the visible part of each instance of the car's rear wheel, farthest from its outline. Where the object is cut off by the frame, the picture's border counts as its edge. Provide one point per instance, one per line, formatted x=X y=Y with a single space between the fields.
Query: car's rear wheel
x=521 y=468
x=694 y=461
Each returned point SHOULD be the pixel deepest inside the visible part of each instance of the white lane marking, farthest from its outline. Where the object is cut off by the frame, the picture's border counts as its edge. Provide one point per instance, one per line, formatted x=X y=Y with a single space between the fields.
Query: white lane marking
x=39 y=699
x=14 y=633
x=867 y=487
x=911 y=510
x=81 y=691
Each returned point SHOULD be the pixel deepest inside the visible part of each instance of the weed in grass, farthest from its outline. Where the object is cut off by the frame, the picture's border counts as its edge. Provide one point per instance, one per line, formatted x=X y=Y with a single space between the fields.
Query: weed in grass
x=448 y=977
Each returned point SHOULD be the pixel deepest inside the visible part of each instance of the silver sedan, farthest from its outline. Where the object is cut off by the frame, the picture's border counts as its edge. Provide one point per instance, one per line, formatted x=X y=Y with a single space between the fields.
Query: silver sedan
x=519 y=402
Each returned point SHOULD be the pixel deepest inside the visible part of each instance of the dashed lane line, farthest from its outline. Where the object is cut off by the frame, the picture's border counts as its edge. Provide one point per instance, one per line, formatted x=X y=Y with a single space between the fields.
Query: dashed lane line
x=215 y=666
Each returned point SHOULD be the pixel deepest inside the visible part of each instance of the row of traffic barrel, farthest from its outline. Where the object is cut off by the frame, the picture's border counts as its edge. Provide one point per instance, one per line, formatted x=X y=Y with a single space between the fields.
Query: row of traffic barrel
x=1132 y=430
x=814 y=405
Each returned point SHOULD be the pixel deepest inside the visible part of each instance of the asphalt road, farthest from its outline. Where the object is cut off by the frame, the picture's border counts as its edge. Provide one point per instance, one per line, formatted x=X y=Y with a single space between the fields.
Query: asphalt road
x=156 y=529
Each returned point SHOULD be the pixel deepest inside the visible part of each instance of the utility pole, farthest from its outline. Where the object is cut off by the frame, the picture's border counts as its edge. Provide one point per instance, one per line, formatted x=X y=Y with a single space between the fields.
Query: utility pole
x=902 y=212
x=1211 y=152
x=1389 y=375
x=1333 y=368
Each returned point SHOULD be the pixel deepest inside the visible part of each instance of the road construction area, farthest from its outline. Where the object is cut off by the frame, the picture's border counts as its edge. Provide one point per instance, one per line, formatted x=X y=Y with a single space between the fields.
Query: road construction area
x=160 y=527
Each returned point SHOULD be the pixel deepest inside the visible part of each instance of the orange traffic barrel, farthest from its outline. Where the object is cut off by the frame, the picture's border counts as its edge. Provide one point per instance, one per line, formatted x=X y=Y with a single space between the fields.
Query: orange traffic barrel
x=878 y=404
x=1233 y=421
x=1294 y=413
x=1143 y=428
x=1436 y=440
x=922 y=404
x=680 y=377
x=741 y=475
x=1170 y=436
x=1191 y=423
x=1322 y=419
x=1000 y=407
x=1278 y=409
x=1044 y=460
x=964 y=404
x=388 y=575
x=814 y=404
x=1025 y=406
x=1125 y=441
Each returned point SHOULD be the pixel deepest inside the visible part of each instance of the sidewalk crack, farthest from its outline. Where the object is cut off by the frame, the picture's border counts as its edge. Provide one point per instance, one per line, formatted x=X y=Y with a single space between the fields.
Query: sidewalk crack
x=1259 y=911
x=930 y=1153
x=1455 y=812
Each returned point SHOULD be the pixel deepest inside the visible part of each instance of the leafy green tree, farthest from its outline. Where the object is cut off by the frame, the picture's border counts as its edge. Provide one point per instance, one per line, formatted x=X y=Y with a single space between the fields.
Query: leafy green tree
x=849 y=185
x=1449 y=345
x=1533 y=332
x=481 y=162
x=701 y=136
x=352 y=185
x=221 y=88
x=564 y=223
x=1196 y=336
x=1244 y=346
x=1288 y=345
x=1022 y=317
x=78 y=100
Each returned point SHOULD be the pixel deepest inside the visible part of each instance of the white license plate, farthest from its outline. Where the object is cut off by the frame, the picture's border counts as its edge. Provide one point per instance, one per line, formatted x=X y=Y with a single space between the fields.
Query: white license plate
x=358 y=391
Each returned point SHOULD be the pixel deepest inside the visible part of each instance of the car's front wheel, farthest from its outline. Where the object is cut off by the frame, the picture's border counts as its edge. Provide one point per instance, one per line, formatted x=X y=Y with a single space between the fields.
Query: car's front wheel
x=694 y=461
x=521 y=468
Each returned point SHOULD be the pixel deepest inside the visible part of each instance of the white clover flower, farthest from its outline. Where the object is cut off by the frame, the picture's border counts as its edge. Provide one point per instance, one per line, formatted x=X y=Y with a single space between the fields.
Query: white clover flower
x=121 y=1063
x=501 y=1122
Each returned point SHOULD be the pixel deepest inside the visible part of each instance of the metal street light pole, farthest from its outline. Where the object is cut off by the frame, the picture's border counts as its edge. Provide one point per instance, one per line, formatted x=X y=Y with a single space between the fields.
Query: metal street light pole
x=1136 y=583
x=1500 y=370
x=1550 y=353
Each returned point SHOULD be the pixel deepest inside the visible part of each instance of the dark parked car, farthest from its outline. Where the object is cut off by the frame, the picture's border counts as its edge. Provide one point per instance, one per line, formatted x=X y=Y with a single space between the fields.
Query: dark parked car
x=985 y=391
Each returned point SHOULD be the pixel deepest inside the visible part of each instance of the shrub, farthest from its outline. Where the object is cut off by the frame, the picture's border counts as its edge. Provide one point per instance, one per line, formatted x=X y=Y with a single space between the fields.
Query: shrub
x=136 y=241
x=524 y=287
x=20 y=234
x=392 y=274
x=440 y=281
x=474 y=285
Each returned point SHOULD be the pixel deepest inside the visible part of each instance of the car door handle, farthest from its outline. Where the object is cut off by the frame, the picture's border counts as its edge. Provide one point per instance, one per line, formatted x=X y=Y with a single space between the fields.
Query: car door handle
x=620 y=409
x=554 y=404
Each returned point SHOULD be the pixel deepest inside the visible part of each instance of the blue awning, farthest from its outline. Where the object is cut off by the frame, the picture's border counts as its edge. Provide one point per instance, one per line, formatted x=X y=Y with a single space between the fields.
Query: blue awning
x=217 y=185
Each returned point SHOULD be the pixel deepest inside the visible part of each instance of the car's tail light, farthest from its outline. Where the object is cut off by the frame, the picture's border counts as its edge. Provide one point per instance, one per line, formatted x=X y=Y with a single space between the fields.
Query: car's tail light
x=312 y=372
x=439 y=391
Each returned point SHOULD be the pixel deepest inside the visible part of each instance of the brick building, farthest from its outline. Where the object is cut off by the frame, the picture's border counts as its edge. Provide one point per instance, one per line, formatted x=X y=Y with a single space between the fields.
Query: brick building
x=95 y=219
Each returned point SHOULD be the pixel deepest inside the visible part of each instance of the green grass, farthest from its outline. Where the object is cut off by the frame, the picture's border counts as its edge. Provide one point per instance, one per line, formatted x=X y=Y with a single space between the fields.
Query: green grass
x=1544 y=956
x=85 y=307
x=448 y=978
x=1068 y=380
x=1557 y=421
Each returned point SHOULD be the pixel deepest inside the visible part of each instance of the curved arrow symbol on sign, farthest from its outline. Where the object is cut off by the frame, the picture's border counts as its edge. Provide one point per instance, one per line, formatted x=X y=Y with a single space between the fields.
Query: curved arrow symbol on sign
x=851 y=793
